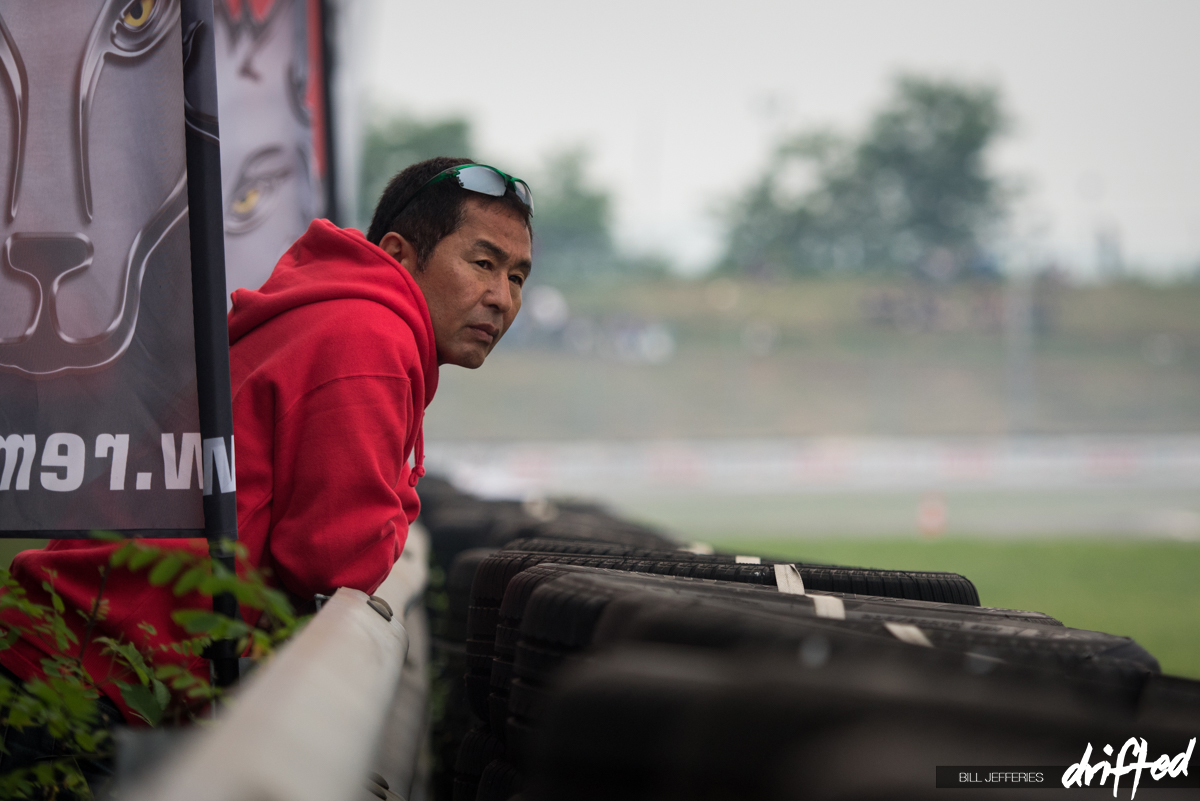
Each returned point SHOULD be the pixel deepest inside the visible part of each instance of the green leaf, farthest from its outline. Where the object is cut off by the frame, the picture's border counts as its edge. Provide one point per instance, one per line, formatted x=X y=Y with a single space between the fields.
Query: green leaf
x=143 y=557
x=8 y=637
x=43 y=772
x=193 y=646
x=77 y=699
x=195 y=621
x=19 y=717
x=165 y=570
x=73 y=780
x=129 y=655
x=122 y=554
x=142 y=701
x=161 y=694
x=85 y=740
x=190 y=580
x=106 y=536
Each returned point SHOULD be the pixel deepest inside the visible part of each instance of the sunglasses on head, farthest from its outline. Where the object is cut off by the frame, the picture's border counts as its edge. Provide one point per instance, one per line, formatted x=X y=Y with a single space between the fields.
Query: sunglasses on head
x=482 y=179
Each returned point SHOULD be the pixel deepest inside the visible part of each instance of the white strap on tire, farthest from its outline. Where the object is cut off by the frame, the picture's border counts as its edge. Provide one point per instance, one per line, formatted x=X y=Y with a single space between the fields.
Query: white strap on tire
x=748 y=560
x=907 y=632
x=829 y=606
x=787 y=579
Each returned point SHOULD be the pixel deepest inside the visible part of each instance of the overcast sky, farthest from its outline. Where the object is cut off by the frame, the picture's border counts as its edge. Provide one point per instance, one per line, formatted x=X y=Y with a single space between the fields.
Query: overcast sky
x=680 y=102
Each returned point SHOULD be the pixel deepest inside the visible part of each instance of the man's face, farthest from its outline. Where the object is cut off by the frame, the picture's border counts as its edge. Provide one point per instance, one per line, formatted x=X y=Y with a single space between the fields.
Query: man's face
x=472 y=282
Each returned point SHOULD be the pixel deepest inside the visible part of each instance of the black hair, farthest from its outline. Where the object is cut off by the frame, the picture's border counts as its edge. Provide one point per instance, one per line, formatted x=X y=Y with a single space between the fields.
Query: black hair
x=426 y=215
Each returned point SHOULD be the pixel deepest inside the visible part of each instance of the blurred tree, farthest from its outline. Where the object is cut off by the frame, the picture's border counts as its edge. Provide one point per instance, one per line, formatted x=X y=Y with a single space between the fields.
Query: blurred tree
x=396 y=142
x=572 y=226
x=914 y=192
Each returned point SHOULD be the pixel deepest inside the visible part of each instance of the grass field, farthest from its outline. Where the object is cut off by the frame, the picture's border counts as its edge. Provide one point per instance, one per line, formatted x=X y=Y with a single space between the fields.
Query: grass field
x=10 y=548
x=1146 y=590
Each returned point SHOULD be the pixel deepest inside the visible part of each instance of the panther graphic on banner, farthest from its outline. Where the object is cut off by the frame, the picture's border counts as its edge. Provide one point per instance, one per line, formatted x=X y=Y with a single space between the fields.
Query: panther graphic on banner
x=81 y=219
x=269 y=89
x=97 y=340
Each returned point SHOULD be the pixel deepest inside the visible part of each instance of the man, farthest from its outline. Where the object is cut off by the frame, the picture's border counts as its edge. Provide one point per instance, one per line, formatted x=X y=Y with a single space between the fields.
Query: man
x=335 y=358
x=333 y=362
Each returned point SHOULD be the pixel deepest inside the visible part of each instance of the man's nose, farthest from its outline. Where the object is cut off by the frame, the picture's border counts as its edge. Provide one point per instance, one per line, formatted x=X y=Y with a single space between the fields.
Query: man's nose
x=499 y=295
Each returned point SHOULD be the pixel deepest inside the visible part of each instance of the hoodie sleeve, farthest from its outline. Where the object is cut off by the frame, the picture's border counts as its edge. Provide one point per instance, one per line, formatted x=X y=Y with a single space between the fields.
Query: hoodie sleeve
x=337 y=518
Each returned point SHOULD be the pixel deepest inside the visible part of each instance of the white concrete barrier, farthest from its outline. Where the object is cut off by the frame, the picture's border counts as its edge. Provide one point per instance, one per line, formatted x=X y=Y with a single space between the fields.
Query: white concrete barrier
x=401 y=756
x=306 y=726
x=615 y=470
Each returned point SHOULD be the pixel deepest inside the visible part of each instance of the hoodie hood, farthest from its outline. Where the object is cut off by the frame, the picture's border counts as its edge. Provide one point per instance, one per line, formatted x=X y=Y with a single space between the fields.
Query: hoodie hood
x=332 y=263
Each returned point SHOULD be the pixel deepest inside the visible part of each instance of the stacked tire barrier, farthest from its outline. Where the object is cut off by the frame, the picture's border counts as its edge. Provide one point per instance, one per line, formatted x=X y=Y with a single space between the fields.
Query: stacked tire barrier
x=464 y=530
x=580 y=656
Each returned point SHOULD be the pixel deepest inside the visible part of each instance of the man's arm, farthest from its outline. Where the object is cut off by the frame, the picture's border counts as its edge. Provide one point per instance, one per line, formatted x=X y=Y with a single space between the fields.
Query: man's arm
x=339 y=465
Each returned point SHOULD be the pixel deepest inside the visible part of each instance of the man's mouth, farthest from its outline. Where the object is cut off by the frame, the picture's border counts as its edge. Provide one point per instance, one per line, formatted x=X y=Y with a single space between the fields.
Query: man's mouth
x=487 y=331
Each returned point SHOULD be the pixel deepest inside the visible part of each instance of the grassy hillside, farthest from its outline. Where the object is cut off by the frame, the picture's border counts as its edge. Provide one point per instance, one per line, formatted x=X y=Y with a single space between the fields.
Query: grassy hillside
x=837 y=357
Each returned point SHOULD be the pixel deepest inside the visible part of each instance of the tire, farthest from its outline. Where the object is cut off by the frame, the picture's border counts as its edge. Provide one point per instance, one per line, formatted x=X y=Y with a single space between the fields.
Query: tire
x=914 y=585
x=590 y=526
x=498 y=570
x=613 y=583
x=468 y=522
x=487 y=690
x=1170 y=702
x=459 y=578
x=674 y=723
x=565 y=613
x=1090 y=656
x=479 y=747
x=621 y=550
x=448 y=664
x=437 y=493
x=501 y=780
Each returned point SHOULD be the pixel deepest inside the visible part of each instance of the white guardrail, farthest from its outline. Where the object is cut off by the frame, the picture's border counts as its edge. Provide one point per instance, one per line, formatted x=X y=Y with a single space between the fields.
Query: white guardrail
x=618 y=469
x=344 y=698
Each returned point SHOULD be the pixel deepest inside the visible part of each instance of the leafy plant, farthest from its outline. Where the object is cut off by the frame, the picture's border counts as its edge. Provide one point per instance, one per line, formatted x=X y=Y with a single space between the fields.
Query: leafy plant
x=159 y=689
x=64 y=702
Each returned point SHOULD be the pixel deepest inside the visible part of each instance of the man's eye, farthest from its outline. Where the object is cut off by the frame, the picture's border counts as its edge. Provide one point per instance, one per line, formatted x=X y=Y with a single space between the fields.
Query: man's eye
x=519 y=280
x=485 y=264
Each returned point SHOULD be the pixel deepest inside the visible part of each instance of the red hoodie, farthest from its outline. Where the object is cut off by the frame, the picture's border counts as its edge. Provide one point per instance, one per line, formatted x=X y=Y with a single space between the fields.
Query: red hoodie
x=333 y=362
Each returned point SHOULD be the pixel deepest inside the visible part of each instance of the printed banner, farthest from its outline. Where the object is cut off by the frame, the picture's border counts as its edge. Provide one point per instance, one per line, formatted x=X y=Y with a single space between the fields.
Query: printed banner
x=99 y=416
x=269 y=87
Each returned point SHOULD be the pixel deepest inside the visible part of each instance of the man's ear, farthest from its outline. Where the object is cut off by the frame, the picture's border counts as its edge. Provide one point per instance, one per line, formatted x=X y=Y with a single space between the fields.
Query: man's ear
x=400 y=249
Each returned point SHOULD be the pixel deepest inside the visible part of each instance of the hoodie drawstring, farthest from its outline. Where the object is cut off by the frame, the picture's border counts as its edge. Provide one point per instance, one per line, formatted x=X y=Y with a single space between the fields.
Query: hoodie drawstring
x=419 y=453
